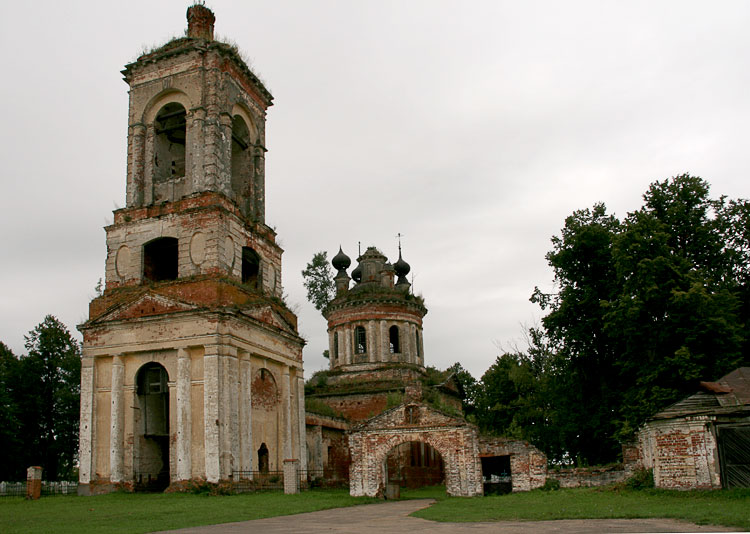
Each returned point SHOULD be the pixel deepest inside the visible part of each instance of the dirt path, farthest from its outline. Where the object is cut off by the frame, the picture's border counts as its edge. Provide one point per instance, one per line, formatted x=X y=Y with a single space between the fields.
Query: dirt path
x=393 y=517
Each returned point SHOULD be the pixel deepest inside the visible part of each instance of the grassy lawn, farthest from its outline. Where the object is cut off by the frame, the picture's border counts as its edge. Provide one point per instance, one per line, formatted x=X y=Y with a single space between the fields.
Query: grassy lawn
x=132 y=513
x=728 y=508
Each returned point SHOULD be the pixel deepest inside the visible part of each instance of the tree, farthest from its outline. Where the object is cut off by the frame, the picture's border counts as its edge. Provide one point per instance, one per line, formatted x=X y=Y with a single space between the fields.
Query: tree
x=645 y=309
x=48 y=397
x=10 y=443
x=318 y=280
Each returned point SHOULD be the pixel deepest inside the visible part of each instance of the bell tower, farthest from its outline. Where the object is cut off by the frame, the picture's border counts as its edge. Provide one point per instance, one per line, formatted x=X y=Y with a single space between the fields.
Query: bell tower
x=192 y=363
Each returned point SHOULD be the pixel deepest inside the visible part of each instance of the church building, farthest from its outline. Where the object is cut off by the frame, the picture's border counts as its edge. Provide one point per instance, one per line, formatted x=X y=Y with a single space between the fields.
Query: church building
x=192 y=362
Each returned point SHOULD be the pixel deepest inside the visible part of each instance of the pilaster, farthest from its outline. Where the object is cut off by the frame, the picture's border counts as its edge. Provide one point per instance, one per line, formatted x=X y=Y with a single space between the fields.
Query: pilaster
x=184 y=415
x=116 y=420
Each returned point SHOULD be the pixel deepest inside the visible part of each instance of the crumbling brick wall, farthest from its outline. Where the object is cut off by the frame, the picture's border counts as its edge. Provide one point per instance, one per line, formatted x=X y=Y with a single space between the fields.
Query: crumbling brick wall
x=528 y=465
x=682 y=452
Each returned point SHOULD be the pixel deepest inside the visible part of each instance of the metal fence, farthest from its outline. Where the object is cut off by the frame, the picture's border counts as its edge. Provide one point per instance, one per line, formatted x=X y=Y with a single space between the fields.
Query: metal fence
x=249 y=481
x=246 y=481
x=18 y=489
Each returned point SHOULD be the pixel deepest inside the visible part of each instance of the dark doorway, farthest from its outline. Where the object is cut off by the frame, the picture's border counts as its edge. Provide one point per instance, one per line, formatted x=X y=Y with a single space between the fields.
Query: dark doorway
x=496 y=475
x=263 y=458
x=152 y=418
x=734 y=455
x=160 y=259
x=415 y=464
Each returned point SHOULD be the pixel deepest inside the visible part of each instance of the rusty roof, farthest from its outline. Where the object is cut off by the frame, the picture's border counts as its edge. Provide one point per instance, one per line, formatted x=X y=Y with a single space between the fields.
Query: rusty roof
x=729 y=394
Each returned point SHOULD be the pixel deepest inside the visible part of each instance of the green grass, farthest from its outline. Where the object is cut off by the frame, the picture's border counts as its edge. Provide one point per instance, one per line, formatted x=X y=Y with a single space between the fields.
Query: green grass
x=133 y=513
x=728 y=508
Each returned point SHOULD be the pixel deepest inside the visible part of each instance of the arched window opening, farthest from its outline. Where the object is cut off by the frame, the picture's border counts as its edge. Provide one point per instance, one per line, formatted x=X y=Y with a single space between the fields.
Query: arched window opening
x=250 y=267
x=415 y=464
x=263 y=458
x=160 y=259
x=360 y=340
x=152 y=424
x=242 y=161
x=335 y=346
x=419 y=347
x=169 y=142
x=393 y=340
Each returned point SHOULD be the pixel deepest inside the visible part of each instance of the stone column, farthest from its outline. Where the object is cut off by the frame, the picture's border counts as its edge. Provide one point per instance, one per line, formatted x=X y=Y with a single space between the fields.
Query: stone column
x=136 y=151
x=116 y=420
x=331 y=350
x=86 y=429
x=211 y=411
x=372 y=342
x=184 y=415
x=148 y=167
x=385 y=352
x=301 y=420
x=286 y=411
x=348 y=344
x=246 y=413
x=230 y=420
x=419 y=338
x=413 y=344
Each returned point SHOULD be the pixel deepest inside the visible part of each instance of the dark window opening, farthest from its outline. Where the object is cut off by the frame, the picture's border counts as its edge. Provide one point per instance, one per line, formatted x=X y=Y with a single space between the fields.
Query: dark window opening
x=360 y=340
x=169 y=142
x=335 y=346
x=242 y=162
x=411 y=415
x=263 y=458
x=393 y=340
x=419 y=349
x=160 y=259
x=250 y=267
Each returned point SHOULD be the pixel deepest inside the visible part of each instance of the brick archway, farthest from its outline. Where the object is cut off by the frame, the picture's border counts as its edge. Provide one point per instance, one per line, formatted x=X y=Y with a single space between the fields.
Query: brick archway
x=455 y=440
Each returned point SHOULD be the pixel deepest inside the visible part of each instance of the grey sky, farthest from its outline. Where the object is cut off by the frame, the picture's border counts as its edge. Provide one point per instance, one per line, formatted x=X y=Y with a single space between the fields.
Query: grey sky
x=472 y=128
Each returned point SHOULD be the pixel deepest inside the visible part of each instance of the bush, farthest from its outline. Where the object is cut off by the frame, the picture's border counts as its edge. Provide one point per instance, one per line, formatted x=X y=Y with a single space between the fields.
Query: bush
x=551 y=484
x=640 y=479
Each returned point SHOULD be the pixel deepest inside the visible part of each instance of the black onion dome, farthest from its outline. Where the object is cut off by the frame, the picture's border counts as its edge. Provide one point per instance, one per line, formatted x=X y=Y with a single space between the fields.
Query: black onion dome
x=357 y=273
x=401 y=267
x=341 y=261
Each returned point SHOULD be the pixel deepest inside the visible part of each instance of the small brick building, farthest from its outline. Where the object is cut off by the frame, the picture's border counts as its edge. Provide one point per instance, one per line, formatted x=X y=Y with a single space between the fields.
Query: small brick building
x=702 y=441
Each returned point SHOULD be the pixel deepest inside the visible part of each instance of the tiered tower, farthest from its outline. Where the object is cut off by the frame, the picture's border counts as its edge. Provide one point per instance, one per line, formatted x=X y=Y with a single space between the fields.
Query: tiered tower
x=375 y=336
x=192 y=364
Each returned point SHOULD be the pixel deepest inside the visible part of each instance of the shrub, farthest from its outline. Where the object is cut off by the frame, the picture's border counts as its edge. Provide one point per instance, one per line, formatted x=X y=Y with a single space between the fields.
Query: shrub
x=551 y=484
x=640 y=479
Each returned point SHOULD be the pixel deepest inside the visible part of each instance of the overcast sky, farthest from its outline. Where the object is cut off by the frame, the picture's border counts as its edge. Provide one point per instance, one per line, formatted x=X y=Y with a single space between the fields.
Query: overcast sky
x=472 y=128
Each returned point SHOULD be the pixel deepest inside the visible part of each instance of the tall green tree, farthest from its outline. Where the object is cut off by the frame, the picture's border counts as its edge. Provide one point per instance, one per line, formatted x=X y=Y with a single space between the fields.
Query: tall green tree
x=581 y=373
x=10 y=442
x=318 y=280
x=676 y=319
x=645 y=308
x=48 y=398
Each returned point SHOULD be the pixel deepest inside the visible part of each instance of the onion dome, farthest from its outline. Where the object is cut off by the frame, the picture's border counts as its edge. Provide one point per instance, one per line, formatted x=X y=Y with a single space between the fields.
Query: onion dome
x=401 y=267
x=341 y=261
x=357 y=273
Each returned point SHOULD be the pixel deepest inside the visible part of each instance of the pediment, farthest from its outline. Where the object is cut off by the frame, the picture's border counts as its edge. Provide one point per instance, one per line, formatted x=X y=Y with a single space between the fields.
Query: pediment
x=267 y=315
x=411 y=415
x=146 y=306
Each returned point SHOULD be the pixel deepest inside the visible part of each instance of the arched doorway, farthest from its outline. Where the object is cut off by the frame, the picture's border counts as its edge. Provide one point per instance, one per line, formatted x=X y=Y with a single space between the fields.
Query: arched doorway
x=414 y=464
x=152 y=428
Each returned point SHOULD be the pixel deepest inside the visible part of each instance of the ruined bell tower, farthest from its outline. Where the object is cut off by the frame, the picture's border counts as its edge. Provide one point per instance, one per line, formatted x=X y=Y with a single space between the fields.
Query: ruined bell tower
x=192 y=363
